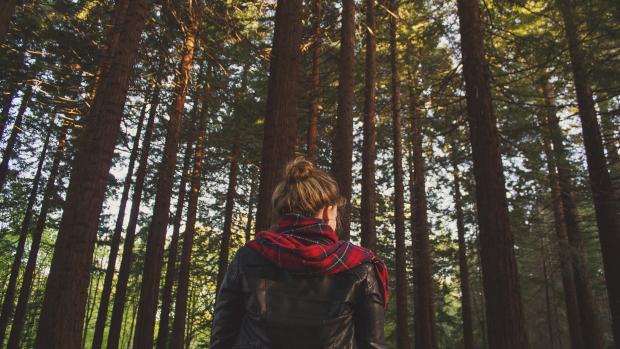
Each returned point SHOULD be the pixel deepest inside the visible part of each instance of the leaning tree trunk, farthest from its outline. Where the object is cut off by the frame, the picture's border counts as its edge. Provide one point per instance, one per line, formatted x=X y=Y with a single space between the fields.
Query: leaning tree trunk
x=504 y=310
x=145 y=324
x=402 y=314
x=24 y=293
x=590 y=326
x=280 y=133
x=600 y=181
x=180 y=309
x=316 y=84
x=11 y=143
x=130 y=234
x=7 y=103
x=566 y=258
x=9 y=292
x=368 y=209
x=343 y=141
x=60 y=323
x=7 y=9
x=222 y=264
x=468 y=332
x=424 y=316
x=102 y=313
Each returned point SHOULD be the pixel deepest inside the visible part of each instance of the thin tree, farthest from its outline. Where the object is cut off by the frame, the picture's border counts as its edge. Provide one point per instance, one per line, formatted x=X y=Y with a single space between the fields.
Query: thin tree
x=251 y=201
x=368 y=209
x=27 y=279
x=145 y=323
x=60 y=323
x=280 y=130
x=7 y=9
x=343 y=141
x=11 y=143
x=504 y=310
x=316 y=83
x=402 y=314
x=9 y=292
x=603 y=193
x=104 y=302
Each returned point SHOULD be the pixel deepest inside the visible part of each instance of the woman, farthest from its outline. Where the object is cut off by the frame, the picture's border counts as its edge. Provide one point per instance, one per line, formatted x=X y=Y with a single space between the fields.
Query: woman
x=297 y=286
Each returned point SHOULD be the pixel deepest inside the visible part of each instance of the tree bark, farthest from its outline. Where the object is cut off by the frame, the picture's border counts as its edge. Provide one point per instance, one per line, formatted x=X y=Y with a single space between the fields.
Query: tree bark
x=342 y=161
x=424 y=315
x=62 y=312
x=180 y=310
x=590 y=326
x=251 y=198
x=130 y=234
x=280 y=131
x=316 y=84
x=547 y=295
x=7 y=9
x=402 y=328
x=566 y=259
x=9 y=293
x=11 y=143
x=368 y=209
x=600 y=181
x=145 y=324
x=468 y=332
x=24 y=292
x=102 y=313
x=231 y=193
x=7 y=103
x=504 y=310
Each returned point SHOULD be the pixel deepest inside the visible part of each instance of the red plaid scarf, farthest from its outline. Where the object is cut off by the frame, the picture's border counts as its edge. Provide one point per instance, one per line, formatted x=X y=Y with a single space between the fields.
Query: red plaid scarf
x=308 y=245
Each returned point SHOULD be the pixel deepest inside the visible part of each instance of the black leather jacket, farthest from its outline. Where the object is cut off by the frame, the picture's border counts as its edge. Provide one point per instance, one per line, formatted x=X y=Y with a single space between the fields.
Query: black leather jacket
x=265 y=307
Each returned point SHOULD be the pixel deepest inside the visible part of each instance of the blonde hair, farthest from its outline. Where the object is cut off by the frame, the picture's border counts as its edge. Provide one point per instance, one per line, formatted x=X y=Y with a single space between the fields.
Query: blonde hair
x=305 y=190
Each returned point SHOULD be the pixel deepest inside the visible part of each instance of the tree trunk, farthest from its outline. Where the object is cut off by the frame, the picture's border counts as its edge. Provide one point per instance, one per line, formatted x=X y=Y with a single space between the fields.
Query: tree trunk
x=505 y=320
x=602 y=189
x=591 y=330
x=316 y=84
x=547 y=295
x=343 y=142
x=280 y=131
x=7 y=103
x=9 y=293
x=180 y=310
x=424 y=315
x=402 y=328
x=566 y=259
x=251 y=198
x=24 y=293
x=151 y=275
x=7 y=9
x=468 y=332
x=92 y=295
x=102 y=313
x=368 y=209
x=130 y=234
x=11 y=143
x=228 y=213
x=166 y=299
x=62 y=312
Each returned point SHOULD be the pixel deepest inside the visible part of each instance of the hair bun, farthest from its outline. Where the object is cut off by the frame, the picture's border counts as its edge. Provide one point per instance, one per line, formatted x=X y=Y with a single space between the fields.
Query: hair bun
x=299 y=169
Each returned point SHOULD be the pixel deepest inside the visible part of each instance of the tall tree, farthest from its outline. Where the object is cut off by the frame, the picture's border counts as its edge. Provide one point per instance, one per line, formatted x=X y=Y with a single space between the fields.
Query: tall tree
x=504 y=310
x=11 y=143
x=60 y=323
x=424 y=315
x=280 y=131
x=600 y=181
x=130 y=232
x=316 y=83
x=9 y=293
x=466 y=311
x=27 y=279
x=402 y=314
x=145 y=323
x=342 y=161
x=115 y=241
x=7 y=9
x=368 y=209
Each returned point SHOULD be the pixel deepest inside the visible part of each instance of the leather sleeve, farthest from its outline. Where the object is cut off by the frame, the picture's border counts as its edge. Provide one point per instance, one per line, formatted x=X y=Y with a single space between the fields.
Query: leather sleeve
x=369 y=313
x=229 y=308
